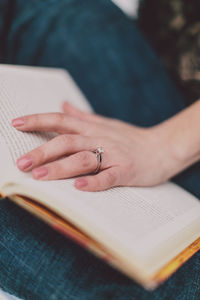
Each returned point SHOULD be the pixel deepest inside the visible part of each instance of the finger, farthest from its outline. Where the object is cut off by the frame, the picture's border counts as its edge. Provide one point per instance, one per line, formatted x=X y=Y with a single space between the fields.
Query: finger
x=69 y=109
x=54 y=149
x=104 y=180
x=107 y=124
x=52 y=122
x=78 y=164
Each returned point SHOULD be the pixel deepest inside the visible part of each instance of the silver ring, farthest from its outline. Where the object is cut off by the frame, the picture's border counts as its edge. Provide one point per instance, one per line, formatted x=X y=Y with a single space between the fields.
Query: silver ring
x=98 y=152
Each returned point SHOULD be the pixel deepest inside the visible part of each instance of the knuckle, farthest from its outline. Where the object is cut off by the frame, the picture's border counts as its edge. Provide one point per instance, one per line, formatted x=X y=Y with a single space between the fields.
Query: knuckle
x=127 y=168
x=97 y=182
x=111 y=177
x=69 y=141
x=128 y=172
x=32 y=120
x=86 y=160
x=58 y=169
x=59 y=117
x=39 y=155
x=55 y=170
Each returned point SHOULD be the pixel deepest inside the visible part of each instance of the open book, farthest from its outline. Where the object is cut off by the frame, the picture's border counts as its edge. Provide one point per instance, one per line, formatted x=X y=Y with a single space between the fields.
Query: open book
x=147 y=233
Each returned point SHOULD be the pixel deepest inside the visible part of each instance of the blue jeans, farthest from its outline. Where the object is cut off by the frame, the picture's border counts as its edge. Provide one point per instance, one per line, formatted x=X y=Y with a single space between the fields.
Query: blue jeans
x=122 y=78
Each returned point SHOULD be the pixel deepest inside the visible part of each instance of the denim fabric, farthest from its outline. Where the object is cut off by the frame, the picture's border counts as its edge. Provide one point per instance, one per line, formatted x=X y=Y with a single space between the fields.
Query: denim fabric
x=122 y=77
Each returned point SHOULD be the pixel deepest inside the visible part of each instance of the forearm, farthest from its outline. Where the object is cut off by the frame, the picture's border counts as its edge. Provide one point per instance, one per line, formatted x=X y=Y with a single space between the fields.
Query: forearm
x=183 y=136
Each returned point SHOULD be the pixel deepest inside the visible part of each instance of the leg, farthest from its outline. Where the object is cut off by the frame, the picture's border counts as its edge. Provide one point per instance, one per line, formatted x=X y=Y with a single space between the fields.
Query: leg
x=103 y=51
x=35 y=262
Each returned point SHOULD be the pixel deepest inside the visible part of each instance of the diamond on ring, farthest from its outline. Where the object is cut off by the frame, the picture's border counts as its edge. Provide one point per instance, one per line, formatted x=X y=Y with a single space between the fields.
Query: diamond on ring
x=98 y=152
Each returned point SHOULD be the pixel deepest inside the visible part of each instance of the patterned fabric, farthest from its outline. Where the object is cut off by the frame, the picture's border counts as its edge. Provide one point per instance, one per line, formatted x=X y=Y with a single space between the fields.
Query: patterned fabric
x=122 y=77
x=173 y=28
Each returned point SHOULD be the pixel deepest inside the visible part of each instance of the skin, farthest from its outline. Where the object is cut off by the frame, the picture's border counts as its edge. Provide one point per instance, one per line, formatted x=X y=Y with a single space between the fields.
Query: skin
x=133 y=156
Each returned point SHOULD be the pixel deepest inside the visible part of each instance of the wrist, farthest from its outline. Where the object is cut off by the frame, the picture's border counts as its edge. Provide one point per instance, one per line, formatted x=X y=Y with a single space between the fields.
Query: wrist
x=171 y=159
x=180 y=140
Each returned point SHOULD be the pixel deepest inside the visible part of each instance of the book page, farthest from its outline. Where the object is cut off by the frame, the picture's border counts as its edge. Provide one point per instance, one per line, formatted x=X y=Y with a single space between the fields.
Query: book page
x=28 y=90
x=137 y=220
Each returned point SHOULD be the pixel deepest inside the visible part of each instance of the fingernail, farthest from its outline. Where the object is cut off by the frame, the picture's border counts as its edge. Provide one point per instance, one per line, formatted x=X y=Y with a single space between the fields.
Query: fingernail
x=40 y=172
x=18 y=122
x=24 y=162
x=80 y=183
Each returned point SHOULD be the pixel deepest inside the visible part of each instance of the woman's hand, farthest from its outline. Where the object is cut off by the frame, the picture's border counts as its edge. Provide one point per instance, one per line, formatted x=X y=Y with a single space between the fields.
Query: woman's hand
x=133 y=156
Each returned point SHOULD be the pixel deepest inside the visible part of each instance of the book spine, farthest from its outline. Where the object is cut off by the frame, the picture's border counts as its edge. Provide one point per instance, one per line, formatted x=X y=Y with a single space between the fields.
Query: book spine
x=84 y=242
